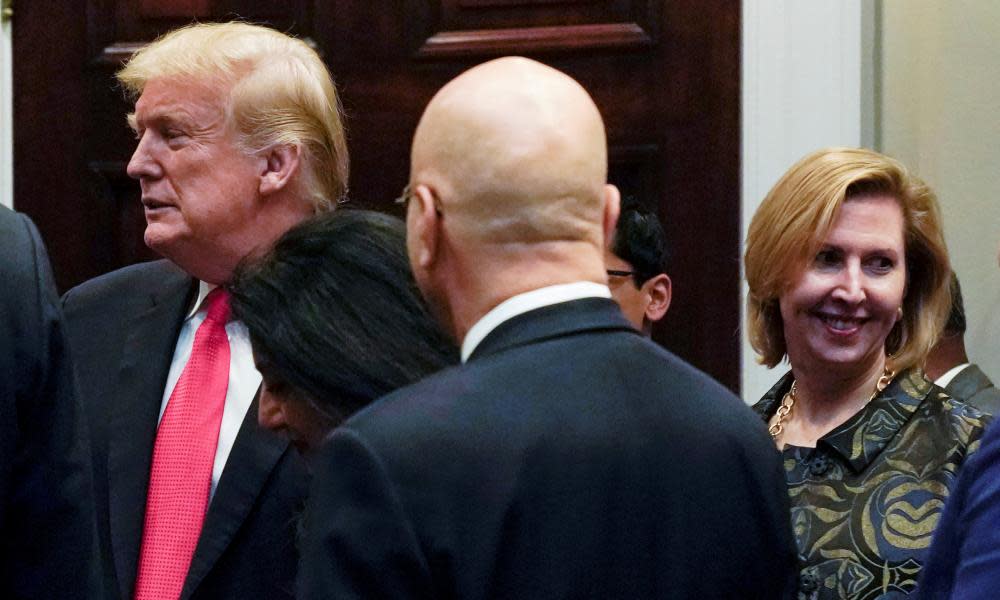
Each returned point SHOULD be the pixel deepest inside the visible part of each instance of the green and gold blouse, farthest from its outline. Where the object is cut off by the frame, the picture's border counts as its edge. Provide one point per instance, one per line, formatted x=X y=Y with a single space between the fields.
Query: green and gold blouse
x=866 y=499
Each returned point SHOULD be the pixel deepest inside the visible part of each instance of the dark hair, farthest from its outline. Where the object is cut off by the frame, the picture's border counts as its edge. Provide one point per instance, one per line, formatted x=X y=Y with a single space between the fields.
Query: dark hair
x=334 y=314
x=640 y=241
x=956 y=318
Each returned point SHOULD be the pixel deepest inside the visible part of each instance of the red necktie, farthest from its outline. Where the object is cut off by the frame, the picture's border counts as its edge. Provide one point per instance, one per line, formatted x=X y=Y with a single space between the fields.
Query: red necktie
x=183 y=457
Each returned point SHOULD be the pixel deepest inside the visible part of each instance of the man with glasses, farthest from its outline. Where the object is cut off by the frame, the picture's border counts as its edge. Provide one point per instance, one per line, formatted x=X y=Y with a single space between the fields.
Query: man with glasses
x=636 y=264
x=567 y=457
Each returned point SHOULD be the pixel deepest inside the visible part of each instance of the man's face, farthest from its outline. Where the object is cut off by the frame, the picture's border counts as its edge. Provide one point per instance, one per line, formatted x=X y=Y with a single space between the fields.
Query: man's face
x=199 y=191
x=643 y=305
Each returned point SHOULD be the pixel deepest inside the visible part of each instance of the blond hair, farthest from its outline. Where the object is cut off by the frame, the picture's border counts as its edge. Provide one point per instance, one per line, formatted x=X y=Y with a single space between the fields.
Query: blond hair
x=800 y=210
x=281 y=94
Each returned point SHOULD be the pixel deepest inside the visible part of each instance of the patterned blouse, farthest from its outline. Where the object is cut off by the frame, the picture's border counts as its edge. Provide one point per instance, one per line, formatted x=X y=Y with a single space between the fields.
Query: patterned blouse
x=866 y=499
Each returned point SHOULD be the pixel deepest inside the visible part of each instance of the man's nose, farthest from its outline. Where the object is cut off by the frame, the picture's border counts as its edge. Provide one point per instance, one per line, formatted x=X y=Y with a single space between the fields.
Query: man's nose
x=143 y=163
x=270 y=411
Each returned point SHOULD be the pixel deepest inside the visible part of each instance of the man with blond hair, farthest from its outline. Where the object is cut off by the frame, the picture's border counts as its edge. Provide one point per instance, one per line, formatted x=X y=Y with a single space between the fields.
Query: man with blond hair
x=567 y=457
x=239 y=138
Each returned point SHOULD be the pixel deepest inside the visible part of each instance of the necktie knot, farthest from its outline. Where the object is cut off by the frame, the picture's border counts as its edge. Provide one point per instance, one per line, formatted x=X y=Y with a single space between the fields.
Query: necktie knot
x=217 y=302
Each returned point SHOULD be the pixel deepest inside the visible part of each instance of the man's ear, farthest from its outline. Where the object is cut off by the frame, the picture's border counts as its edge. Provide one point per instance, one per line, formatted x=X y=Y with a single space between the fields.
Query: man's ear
x=426 y=228
x=281 y=162
x=660 y=291
x=612 y=201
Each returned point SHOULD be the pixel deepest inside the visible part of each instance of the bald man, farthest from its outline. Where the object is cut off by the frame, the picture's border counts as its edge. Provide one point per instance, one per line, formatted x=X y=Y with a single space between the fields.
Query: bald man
x=567 y=457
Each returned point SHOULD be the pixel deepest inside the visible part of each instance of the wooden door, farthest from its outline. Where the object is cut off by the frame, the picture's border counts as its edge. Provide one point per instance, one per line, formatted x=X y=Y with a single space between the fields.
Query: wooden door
x=665 y=74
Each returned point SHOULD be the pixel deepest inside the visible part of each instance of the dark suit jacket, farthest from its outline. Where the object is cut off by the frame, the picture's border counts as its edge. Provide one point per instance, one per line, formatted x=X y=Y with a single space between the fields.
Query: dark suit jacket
x=972 y=386
x=47 y=536
x=123 y=327
x=569 y=458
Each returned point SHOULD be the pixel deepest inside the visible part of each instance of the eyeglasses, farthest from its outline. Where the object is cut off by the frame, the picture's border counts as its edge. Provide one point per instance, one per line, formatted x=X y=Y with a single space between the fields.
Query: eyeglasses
x=617 y=273
x=404 y=197
x=407 y=193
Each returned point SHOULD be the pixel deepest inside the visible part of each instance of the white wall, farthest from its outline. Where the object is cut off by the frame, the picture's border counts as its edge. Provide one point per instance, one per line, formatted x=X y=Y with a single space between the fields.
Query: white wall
x=805 y=64
x=6 y=119
x=940 y=114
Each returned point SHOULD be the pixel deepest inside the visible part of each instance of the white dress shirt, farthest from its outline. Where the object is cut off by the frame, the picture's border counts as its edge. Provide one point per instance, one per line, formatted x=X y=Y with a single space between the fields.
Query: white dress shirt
x=244 y=379
x=522 y=303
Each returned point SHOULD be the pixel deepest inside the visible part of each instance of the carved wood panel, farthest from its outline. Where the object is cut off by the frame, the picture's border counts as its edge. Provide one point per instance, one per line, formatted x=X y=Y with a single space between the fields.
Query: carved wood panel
x=495 y=27
x=665 y=74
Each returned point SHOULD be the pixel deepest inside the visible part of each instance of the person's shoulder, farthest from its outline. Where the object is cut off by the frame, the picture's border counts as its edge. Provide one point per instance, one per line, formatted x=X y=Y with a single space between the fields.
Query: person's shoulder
x=677 y=377
x=986 y=396
x=137 y=277
x=21 y=246
x=415 y=402
x=962 y=422
x=938 y=400
x=416 y=420
x=12 y=223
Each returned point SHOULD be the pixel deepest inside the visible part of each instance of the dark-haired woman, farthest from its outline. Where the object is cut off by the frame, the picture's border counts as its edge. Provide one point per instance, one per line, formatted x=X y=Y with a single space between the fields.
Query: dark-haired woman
x=335 y=321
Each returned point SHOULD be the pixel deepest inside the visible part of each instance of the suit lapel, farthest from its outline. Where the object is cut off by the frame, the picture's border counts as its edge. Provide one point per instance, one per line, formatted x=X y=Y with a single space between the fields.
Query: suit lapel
x=553 y=321
x=254 y=455
x=148 y=349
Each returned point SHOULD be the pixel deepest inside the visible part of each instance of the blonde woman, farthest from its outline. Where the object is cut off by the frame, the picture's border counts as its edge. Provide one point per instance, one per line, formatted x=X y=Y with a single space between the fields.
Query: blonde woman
x=848 y=275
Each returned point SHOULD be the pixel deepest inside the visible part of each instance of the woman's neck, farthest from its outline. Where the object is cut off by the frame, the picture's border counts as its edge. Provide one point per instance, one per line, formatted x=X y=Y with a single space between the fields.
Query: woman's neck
x=824 y=400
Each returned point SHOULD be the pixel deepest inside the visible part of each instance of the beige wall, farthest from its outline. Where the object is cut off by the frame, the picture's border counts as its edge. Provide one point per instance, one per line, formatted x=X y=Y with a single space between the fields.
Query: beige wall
x=938 y=105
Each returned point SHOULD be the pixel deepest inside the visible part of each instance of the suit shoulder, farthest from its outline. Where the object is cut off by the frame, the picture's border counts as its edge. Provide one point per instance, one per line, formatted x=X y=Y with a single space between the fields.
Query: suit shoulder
x=691 y=394
x=987 y=400
x=624 y=373
x=21 y=247
x=14 y=225
x=440 y=387
x=142 y=276
x=651 y=361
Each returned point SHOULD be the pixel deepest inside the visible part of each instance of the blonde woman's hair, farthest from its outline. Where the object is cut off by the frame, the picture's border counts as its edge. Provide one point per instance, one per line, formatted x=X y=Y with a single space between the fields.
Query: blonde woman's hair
x=281 y=93
x=791 y=223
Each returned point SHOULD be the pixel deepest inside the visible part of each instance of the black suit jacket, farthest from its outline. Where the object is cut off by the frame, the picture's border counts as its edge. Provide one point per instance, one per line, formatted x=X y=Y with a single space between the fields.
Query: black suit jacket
x=569 y=458
x=972 y=386
x=47 y=536
x=123 y=327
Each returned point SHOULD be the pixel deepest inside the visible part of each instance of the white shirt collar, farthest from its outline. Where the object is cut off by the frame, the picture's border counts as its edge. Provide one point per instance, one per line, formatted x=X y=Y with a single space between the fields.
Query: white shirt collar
x=522 y=303
x=950 y=374
x=203 y=290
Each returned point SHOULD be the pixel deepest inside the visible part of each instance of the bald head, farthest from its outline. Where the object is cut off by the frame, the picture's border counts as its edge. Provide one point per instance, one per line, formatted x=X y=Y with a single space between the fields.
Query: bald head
x=517 y=153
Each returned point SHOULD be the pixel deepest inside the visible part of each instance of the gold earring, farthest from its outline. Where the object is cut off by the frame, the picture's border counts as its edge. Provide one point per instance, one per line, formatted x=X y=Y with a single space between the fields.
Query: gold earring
x=899 y=313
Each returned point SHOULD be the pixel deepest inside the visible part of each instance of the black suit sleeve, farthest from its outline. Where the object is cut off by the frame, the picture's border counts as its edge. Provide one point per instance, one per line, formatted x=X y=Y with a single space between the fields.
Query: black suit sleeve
x=47 y=517
x=358 y=542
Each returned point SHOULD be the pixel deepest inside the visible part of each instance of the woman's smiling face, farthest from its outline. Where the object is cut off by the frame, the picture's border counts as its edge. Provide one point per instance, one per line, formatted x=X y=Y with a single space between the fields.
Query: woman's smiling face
x=839 y=311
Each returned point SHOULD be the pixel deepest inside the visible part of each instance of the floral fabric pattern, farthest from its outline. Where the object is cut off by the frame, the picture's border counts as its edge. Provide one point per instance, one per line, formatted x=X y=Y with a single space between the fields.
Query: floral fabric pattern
x=867 y=498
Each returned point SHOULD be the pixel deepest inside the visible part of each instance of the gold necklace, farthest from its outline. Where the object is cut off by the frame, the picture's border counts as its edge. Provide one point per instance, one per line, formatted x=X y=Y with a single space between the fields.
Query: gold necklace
x=789 y=401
